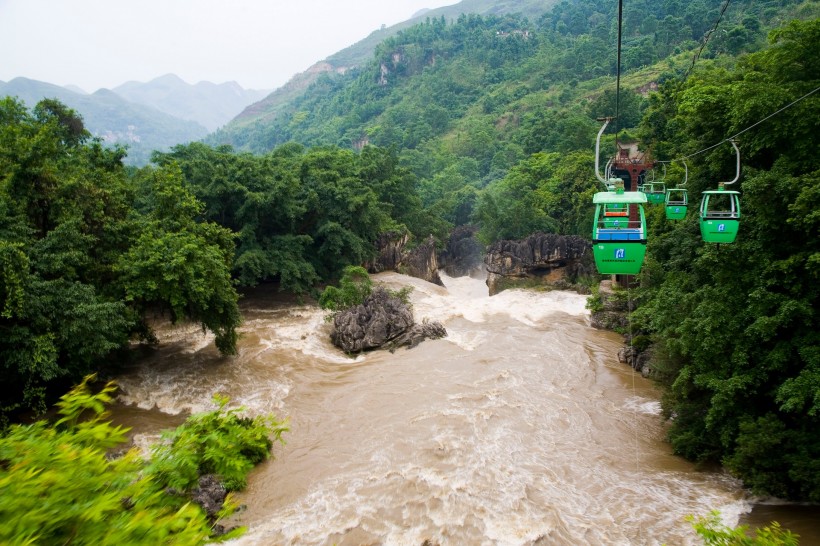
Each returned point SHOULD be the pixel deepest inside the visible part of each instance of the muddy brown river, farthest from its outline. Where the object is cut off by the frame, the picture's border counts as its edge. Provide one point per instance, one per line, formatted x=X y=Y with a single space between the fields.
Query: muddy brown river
x=519 y=428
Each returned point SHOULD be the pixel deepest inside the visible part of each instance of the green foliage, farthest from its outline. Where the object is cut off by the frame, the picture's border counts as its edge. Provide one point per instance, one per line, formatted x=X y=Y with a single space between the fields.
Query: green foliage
x=80 y=263
x=221 y=442
x=354 y=286
x=63 y=207
x=738 y=323
x=181 y=264
x=62 y=483
x=546 y=192
x=301 y=216
x=59 y=485
x=714 y=533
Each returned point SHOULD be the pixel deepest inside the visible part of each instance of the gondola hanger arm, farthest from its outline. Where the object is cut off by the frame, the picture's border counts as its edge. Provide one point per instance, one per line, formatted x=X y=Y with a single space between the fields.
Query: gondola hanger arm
x=737 y=173
x=598 y=153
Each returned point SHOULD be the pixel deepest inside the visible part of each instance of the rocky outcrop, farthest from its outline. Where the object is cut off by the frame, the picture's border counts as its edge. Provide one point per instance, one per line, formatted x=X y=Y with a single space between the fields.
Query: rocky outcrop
x=422 y=262
x=392 y=255
x=418 y=333
x=382 y=320
x=540 y=259
x=390 y=249
x=610 y=311
x=210 y=495
x=463 y=254
x=639 y=360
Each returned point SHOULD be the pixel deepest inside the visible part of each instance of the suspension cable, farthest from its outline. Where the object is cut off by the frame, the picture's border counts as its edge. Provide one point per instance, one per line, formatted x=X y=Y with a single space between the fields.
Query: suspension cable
x=706 y=39
x=682 y=158
x=618 y=73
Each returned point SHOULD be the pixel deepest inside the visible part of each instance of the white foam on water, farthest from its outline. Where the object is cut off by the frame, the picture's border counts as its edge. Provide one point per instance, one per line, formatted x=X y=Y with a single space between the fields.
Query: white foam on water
x=643 y=405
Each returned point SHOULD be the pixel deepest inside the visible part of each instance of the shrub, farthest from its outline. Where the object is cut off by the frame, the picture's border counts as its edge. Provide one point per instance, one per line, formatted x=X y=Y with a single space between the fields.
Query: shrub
x=220 y=442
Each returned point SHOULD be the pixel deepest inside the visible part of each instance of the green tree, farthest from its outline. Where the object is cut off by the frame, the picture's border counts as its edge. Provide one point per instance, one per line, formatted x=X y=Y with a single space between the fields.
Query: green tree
x=354 y=286
x=182 y=265
x=737 y=324
x=64 y=207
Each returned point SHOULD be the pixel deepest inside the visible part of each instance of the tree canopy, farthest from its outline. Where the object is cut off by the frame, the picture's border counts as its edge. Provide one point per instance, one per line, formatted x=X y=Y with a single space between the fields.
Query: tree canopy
x=81 y=264
x=736 y=325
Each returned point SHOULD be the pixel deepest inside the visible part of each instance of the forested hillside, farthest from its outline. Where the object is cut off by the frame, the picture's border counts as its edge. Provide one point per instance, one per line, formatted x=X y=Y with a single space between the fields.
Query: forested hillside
x=736 y=326
x=464 y=103
x=487 y=120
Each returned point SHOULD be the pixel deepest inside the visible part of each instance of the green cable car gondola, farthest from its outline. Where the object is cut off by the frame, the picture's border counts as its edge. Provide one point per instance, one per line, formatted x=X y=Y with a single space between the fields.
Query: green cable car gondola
x=677 y=199
x=619 y=244
x=619 y=227
x=720 y=211
x=676 y=203
x=720 y=215
x=655 y=192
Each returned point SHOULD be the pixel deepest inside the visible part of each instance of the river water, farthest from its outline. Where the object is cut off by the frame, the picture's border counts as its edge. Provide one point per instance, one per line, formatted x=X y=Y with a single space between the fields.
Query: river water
x=519 y=428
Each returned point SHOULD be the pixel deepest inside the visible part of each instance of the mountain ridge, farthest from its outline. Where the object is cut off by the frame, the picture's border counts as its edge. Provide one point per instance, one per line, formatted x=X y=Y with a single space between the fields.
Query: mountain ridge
x=361 y=51
x=112 y=118
x=209 y=104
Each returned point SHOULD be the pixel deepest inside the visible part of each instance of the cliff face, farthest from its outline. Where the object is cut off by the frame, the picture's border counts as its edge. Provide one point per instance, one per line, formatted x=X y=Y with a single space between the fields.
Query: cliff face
x=392 y=255
x=541 y=258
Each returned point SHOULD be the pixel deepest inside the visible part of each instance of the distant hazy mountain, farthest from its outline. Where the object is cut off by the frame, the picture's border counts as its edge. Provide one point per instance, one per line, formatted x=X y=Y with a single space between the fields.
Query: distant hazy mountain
x=114 y=119
x=76 y=89
x=209 y=104
x=360 y=52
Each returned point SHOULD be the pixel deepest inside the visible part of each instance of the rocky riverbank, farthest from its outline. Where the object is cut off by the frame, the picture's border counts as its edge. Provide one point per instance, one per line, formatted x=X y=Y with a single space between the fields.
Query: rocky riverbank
x=610 y=309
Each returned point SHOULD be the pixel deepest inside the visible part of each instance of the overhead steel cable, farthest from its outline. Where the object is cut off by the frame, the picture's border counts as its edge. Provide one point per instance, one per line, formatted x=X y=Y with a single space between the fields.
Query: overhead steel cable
x=706 y=39
x=618 y=71
x=752 y=126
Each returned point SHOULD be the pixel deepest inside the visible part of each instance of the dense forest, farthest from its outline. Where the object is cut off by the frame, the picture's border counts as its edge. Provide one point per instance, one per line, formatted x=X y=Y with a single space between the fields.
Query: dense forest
x=488 y=121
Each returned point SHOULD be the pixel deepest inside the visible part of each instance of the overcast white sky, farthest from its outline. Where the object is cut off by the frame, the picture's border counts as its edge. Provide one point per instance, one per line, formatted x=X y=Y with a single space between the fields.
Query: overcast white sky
x=259 y=44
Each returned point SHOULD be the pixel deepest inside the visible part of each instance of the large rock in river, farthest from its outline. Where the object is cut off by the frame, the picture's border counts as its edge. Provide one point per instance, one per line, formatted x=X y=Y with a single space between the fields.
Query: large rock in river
x=382 y=320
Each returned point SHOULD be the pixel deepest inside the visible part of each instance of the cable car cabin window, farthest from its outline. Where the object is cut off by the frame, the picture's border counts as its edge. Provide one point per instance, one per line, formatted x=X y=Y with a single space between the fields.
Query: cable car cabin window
x=676 y=203
x=720 y=205
x=616 y=210
x=720 y=216
x=619 y=226
x=676 y=196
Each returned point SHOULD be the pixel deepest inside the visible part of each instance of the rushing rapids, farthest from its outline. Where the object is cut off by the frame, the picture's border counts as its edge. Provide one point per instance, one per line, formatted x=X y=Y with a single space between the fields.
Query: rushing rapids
x=520 y=427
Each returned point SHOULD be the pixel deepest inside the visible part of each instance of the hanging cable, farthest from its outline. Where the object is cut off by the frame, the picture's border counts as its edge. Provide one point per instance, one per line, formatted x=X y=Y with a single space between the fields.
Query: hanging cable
x=706 y=39
x=813 y=91
x=618 y=73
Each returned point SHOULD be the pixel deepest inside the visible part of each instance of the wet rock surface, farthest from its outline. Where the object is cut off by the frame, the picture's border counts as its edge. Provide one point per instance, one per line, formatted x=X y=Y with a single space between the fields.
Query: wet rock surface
x=463 y=254
x=541 y=258
x=392 y=254
x=210 y=495
x=382 y=320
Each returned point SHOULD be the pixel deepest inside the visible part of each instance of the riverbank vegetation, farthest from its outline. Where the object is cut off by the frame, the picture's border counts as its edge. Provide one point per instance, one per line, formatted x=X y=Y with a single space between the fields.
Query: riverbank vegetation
x=736 y=326
x=65 y=482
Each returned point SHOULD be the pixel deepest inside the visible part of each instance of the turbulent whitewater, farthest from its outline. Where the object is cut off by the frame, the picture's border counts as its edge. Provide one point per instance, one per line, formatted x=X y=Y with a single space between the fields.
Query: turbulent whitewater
x=520 y=427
